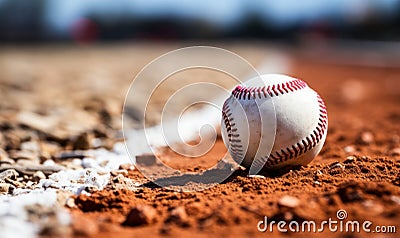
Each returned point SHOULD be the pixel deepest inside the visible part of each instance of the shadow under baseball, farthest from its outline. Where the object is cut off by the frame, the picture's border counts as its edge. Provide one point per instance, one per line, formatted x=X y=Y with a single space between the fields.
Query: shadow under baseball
x=211 y=177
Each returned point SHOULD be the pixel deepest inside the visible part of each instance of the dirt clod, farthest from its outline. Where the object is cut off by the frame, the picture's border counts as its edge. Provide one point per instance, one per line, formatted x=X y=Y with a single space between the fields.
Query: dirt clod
x=140 y=215
x=179 y=216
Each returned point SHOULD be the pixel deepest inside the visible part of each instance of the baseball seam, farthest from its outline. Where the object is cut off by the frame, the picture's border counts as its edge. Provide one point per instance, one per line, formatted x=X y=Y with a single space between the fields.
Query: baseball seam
x=235 y=147
x=284 y=154
x=243 y=93
x=306 y=143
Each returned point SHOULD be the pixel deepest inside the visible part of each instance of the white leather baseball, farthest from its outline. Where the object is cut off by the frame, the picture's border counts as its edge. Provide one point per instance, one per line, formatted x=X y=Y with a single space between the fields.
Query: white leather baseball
x=251 y=133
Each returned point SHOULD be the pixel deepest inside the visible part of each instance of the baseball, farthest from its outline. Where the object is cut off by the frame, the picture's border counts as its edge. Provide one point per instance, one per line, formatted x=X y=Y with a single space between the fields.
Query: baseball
x=273 y=122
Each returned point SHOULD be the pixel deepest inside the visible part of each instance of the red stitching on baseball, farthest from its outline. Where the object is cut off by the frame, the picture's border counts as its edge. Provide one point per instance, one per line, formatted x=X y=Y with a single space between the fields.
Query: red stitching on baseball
x=295 y=150
x=305 y=144
x=243 y=93
x=234 y=144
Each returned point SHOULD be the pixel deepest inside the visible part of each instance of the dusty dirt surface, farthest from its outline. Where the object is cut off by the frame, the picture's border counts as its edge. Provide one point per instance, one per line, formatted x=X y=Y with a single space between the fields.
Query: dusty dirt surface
x=51 y=100
x=357 y=171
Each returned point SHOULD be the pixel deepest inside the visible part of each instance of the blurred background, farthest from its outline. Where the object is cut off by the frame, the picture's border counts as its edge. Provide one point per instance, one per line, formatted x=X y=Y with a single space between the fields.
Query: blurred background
x=291 y=21
x=40 y=45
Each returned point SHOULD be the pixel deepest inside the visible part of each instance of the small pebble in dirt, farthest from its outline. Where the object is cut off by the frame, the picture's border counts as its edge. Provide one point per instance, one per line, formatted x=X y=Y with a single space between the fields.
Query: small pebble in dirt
x=336 y=168
x=127 y=167
x=119 y=178
x=288 y=216
x=335 y=165
x=119 y=171
x=48 y=149
x=24 y=155
x=395 y=151
x=141 y=215
x=9 y=173
x=82 y=142
x=14 y=183
x=289 y=201
x=29 y=184
x=256 y=176
x=6 y=188
x=366 y=138
x=349 y=149
x=350 y=159
x=31 y=146
x=49 y=163
x=70 y=202
x=373 y=207
x=395 y=199
x=38 y=175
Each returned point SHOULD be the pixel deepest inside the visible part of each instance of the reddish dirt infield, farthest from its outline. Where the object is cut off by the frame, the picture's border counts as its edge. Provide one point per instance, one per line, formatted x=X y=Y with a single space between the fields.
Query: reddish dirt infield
x=357 y=171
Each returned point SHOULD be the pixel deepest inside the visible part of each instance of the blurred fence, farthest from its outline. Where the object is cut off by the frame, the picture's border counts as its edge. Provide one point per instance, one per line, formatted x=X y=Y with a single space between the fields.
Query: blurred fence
x=88 y=21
